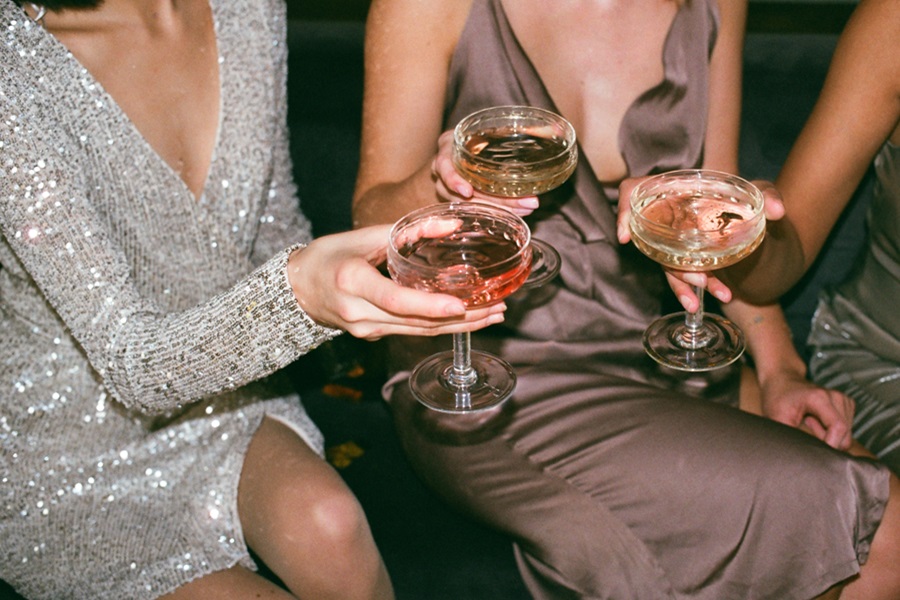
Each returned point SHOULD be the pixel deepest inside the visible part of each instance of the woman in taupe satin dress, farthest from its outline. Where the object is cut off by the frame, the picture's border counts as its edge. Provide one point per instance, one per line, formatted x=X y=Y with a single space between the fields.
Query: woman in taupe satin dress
x=614 y=480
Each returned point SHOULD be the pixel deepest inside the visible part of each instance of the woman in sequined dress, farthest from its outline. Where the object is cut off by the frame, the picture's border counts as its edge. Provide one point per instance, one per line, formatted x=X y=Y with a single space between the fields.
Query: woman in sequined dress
x=155 y=277
x=613 y=479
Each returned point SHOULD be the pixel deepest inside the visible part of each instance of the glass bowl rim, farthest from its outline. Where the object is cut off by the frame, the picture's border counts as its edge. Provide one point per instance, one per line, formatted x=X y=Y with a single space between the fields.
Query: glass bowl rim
x=510 y=110
x=438 y=208
x=746 y=187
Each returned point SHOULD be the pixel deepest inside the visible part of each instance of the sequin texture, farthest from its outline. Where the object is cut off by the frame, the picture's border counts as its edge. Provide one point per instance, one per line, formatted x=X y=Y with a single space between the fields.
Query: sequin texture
x=141 y=331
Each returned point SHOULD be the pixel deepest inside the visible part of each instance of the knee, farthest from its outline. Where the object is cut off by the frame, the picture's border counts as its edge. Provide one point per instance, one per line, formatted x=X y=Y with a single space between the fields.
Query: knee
x=333 y=519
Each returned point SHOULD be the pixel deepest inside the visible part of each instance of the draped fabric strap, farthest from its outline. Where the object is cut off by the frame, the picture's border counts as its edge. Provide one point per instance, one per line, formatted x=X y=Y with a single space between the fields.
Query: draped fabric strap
x=663 y=128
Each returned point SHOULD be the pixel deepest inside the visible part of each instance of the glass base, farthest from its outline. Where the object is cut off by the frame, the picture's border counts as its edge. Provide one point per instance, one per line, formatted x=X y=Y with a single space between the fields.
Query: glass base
x=545 y=264
x=492 y=385
x=716 y=344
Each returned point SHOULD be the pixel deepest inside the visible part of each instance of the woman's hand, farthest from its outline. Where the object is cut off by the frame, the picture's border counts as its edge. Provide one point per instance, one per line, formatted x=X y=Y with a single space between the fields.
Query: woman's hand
x=683 y=282
x=453 y=186
x=795 y=401
x=336 y=282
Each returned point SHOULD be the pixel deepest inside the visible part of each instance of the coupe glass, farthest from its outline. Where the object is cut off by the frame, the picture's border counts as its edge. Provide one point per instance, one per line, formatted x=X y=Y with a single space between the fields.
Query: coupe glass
x=480 y=253
x=517 y=151
x=696 y=220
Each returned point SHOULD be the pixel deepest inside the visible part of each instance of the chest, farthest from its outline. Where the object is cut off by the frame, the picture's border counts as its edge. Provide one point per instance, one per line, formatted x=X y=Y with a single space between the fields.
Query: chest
x=165 y=79
x=595 y=59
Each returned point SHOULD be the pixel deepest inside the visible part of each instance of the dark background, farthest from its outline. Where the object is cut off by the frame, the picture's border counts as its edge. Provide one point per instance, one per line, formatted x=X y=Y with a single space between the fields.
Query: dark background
x=795 y=17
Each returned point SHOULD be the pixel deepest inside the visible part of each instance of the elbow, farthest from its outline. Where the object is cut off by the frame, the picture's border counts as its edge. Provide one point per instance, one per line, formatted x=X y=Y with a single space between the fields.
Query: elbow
x=371 y=206
x=147 y=402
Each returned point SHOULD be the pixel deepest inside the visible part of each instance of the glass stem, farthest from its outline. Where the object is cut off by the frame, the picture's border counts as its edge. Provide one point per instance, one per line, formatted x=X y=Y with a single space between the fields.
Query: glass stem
x=462 y=375
x=694 y=334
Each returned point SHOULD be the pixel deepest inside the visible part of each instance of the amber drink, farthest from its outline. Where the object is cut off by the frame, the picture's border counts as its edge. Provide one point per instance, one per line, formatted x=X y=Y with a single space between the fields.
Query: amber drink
x=696 y=220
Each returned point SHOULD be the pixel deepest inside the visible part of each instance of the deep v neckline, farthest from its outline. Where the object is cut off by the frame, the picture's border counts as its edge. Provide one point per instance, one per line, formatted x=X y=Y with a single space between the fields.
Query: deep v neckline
x=630 y=109
x=135 y=131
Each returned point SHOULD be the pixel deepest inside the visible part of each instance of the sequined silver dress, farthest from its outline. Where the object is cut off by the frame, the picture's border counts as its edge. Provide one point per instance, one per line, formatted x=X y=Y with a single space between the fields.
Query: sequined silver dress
x=139 y=327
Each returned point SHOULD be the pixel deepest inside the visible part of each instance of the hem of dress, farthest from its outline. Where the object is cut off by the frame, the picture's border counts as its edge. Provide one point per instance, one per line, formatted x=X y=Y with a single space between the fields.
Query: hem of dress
x=831 y=578
x=301 y=434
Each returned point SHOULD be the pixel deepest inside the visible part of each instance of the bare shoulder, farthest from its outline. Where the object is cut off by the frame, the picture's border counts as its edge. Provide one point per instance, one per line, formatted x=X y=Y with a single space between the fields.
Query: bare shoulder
x=415 y=24
x=868 y=55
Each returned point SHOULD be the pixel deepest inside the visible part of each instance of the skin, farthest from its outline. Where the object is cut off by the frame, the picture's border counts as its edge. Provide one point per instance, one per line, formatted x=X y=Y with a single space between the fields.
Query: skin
x=857 y=111
x=158 y=59
x=403 y=166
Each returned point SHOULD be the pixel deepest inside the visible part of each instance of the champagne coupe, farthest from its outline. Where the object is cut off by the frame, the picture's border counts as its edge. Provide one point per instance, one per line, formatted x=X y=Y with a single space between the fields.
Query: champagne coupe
x=696 y=220
x=517 y=151
x=480 y=253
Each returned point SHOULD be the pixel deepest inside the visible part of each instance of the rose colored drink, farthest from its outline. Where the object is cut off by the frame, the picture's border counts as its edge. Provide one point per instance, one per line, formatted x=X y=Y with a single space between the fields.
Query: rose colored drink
x=480 y=253
x=479 y=267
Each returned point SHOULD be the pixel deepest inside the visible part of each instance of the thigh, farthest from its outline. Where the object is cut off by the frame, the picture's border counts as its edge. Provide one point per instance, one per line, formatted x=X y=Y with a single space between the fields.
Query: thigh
x=236 y=583
x=286 y=491
x=470 y=461
x=874 y=384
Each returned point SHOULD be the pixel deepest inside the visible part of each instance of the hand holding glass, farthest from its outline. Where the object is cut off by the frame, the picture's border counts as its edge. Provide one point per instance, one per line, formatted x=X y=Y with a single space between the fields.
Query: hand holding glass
x=696 y=220
x=480 y=253
x=517 y=151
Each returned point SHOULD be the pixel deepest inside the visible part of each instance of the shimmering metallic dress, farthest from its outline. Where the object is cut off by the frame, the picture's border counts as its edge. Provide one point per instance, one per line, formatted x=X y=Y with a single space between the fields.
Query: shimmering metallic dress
x=855 y=335
x=138 y=324
x=614 y=479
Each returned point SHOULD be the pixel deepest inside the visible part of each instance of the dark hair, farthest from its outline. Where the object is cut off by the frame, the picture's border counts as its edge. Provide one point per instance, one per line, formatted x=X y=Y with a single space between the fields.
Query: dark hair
x=61 y=4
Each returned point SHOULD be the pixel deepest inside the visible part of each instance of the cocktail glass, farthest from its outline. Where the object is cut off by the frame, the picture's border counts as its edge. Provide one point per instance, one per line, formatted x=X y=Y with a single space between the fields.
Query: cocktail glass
x=517 y=151
x=480 y=253
x=696 y=220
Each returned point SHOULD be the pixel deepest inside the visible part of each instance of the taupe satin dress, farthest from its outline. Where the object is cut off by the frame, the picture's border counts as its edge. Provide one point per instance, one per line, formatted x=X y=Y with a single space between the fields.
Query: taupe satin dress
x=616 y=480
x=855 y=335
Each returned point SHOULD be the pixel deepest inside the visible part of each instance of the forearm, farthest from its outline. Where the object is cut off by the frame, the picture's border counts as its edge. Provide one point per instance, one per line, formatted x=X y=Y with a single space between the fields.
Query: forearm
x=769 y=339
x=768 y=273
x=388 y=201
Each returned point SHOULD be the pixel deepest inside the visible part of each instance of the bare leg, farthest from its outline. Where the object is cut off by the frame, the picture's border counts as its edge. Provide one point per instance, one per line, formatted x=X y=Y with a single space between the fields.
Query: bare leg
x=304 y=523
x=236 y=583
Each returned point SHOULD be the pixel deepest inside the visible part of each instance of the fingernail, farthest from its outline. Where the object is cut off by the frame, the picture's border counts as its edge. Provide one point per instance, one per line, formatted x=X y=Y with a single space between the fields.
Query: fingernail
x=695 y=278
x=455 y=309
x=531 y=203
x=685 y=302
x=463 y=191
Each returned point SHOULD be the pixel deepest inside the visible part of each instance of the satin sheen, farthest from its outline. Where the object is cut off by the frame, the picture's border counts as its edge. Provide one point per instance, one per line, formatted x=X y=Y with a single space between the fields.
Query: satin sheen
x=615 y=479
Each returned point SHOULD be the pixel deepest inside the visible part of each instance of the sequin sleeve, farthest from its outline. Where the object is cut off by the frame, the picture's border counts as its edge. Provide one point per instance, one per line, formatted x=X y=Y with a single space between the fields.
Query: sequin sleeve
x=149 y=359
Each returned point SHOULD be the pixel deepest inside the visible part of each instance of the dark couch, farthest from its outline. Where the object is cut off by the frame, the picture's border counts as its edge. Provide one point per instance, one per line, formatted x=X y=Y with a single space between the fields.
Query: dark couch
x=432 y=552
